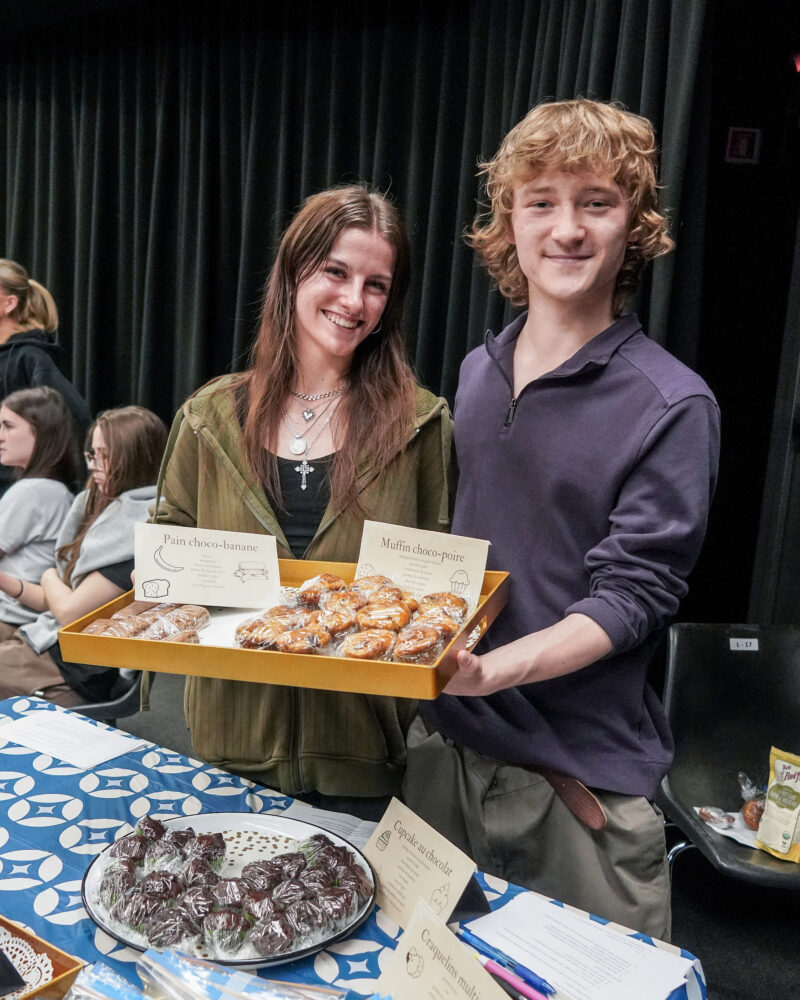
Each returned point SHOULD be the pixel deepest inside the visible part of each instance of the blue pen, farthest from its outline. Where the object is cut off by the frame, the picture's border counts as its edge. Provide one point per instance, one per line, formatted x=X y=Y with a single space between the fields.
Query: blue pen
x=501 y=958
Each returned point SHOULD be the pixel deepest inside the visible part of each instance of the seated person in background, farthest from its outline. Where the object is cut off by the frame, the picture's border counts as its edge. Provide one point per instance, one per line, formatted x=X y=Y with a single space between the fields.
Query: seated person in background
x=37 y=441
x=94 y=560
x=29 y=349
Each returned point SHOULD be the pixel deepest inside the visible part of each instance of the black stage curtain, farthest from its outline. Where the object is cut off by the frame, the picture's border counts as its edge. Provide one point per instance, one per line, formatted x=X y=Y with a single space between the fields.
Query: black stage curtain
x=155 y=152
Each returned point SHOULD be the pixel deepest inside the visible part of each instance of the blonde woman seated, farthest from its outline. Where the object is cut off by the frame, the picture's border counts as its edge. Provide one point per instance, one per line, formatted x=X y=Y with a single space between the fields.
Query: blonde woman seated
x=94 y=560
x=37 y=443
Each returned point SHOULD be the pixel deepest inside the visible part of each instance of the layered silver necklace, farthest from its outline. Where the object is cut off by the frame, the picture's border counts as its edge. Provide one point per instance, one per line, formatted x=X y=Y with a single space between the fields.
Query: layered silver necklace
x=299 y=444
x=308 y=413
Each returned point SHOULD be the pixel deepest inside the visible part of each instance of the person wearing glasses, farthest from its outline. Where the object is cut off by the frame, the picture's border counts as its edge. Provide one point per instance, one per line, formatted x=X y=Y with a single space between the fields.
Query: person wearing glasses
x=38 y=445
x=29 y=348
x=94 y=560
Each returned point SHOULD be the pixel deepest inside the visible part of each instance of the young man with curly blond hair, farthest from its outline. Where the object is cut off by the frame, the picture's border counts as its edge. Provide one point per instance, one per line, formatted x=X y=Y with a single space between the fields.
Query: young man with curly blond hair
x=588 y=457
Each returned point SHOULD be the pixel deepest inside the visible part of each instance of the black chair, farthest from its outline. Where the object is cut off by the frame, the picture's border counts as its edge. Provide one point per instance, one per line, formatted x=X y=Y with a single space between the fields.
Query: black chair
x=122 y=701
x=731 y=692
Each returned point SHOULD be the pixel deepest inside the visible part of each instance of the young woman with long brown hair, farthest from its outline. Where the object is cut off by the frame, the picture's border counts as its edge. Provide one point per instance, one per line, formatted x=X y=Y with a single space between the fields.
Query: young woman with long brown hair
x=326 y=428
x=94 y=560
x=38 y=445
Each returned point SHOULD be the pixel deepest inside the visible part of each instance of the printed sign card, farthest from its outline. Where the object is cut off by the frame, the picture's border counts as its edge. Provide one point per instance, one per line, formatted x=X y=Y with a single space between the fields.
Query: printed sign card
x=413 y=861
x=424 y=562
x=226 y=569
x=430 y=963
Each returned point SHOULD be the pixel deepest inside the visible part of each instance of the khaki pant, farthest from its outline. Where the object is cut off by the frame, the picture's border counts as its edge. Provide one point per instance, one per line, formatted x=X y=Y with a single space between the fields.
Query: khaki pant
x=25 y=672
x=513 y=825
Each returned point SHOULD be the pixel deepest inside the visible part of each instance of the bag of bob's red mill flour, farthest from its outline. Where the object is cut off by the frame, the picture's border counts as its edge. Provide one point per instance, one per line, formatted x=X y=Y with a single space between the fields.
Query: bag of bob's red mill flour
x=779 y=829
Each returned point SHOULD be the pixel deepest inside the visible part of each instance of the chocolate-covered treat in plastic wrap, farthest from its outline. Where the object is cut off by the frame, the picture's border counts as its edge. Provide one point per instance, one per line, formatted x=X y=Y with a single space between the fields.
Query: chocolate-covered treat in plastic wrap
x=312 y=845
x=307 y=918
x=150 y=828
x=164 y=855
x=262 y=874
x=171 y=929
x=179 y=837
x=273 y=936
x=198 y=872
x=229 y=891
x=291 y=862
x=225 y=930
x=162 y=885
x=315 y=879
x=208 y=846
x=114 y=885
x=338 y=902
x=129 y=848
x=134 y=909
x=258 y=904
x=288 y=892
x=197 y=903
x=353 y=876
x=334 y=855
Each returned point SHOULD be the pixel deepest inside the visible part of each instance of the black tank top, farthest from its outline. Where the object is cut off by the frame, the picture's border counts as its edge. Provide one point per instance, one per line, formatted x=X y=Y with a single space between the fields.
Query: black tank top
x=302 y=509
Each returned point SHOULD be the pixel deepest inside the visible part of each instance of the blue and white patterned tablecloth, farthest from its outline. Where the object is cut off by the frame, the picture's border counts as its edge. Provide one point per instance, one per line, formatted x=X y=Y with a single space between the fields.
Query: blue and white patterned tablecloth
x=54 y=818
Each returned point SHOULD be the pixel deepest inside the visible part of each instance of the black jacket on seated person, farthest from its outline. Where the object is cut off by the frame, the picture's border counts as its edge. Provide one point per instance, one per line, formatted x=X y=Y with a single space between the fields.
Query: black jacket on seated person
x=29 y=359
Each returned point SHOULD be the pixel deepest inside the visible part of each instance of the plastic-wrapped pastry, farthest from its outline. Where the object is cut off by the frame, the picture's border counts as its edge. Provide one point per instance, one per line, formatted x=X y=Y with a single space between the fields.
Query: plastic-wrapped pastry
x=439 y=619
x=303 y=640
x=417 y=644
x=392 y=616
x=225 y=930
x=138 y=608
x=368 y=584
x=291 y=863
x=259 y=633
x=335 y=621
x=311 y=591
x=189 y=616
x=454 y=605
x=185 y=635
x=396 y=596
x=369 y=644
x=273 y=936
x=97 y=627
x=350 y=598
x=334 y=856
x=292 y=615
x=353 y=876
x=179 y=837
x=119 y=628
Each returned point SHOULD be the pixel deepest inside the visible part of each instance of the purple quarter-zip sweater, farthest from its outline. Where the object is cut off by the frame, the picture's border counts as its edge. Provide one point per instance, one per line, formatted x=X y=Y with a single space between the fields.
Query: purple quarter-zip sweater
x=593 y=486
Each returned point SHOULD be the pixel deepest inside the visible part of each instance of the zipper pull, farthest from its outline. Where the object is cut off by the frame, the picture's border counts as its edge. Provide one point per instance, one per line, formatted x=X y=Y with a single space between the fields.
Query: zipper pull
x=510 y=414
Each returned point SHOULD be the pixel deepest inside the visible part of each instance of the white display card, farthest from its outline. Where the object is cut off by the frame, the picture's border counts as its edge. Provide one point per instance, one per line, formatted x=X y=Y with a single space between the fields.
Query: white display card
x=424 y=562
x=226 y=569
x=413 y=861
x=430 y=963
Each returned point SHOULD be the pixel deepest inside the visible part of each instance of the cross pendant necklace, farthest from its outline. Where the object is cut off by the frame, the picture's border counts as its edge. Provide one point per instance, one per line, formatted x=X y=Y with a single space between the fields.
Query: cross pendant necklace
x=303 y=468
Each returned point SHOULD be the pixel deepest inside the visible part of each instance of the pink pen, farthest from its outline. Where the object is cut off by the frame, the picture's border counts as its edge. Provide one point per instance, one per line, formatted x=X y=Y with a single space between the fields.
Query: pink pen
x=523 y=988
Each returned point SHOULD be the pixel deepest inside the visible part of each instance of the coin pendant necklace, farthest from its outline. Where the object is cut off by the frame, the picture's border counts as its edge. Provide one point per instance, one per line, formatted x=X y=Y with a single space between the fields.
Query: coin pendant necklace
x=298 y=445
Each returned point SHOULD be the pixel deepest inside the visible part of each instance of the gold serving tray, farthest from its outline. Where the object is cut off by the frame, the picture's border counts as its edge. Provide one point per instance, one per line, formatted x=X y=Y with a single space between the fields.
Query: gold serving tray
x=331 y=673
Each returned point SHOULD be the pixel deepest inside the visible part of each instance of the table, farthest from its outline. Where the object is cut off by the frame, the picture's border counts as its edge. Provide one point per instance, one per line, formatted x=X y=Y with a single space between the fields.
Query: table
x=54 y=818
